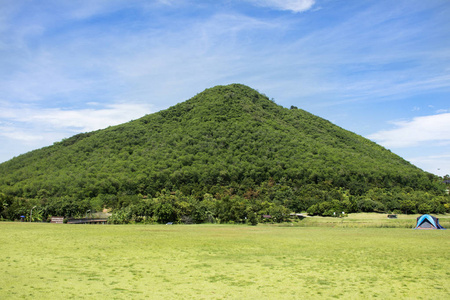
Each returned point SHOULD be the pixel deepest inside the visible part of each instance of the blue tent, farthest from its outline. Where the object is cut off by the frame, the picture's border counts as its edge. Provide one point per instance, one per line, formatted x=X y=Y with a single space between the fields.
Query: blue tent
x=428 y=222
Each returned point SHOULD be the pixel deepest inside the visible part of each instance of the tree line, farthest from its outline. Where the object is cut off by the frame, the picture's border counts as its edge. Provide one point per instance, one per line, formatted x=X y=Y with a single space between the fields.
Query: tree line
x=228 y=204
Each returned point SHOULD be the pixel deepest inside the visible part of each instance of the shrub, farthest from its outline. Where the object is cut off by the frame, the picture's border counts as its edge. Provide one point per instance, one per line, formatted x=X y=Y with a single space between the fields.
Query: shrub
x=252 y=219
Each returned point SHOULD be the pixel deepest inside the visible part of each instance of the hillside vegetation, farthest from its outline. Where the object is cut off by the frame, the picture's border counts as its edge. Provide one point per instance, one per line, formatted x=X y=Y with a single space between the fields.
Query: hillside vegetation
x=227 y=154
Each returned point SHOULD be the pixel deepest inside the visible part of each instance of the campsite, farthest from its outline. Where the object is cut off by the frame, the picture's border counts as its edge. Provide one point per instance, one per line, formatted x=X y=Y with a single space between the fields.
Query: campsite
x=197 y=149
x=318 y=258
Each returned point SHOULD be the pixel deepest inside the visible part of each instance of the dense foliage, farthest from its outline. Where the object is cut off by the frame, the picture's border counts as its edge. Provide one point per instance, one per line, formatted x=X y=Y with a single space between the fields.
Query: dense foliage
x=229 y=143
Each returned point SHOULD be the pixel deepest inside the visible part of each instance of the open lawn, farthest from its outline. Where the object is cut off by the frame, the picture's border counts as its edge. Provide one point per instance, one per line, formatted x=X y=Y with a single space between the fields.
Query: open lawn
x=45 y=261
x=369 y=220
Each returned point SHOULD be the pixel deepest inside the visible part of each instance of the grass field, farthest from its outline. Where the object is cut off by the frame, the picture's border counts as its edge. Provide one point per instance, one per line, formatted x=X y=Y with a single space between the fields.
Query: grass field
x=44 y=261
x=369 y=220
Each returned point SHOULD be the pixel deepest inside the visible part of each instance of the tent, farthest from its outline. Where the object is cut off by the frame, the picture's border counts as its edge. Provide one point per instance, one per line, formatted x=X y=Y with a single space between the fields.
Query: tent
x=428 y=222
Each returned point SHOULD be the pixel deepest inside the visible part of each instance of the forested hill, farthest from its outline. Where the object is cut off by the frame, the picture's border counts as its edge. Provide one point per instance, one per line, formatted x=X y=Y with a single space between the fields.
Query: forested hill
x=228 y=140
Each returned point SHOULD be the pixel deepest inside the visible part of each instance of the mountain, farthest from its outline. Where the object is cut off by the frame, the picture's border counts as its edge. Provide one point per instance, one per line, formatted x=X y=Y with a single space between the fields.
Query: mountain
x=225 y=140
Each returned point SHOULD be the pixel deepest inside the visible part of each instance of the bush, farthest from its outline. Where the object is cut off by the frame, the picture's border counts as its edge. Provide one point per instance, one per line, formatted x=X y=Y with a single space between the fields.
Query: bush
x=252 y=219
x=424 y=208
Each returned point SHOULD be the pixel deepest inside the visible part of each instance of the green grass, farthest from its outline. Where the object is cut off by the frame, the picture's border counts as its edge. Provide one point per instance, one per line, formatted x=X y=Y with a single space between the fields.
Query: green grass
x=44 y=261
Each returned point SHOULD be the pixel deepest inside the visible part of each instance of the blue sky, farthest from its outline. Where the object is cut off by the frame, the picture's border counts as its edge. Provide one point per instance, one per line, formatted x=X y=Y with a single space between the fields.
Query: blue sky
x=377 y=68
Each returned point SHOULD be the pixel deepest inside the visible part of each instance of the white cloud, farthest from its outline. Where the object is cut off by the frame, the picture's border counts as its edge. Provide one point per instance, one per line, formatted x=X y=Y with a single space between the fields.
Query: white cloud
x=33 y=124
x=437 y=164
x=420 y=130
x=24 y=128
x=90 y=119
x=292 y=5
x=19 y=134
